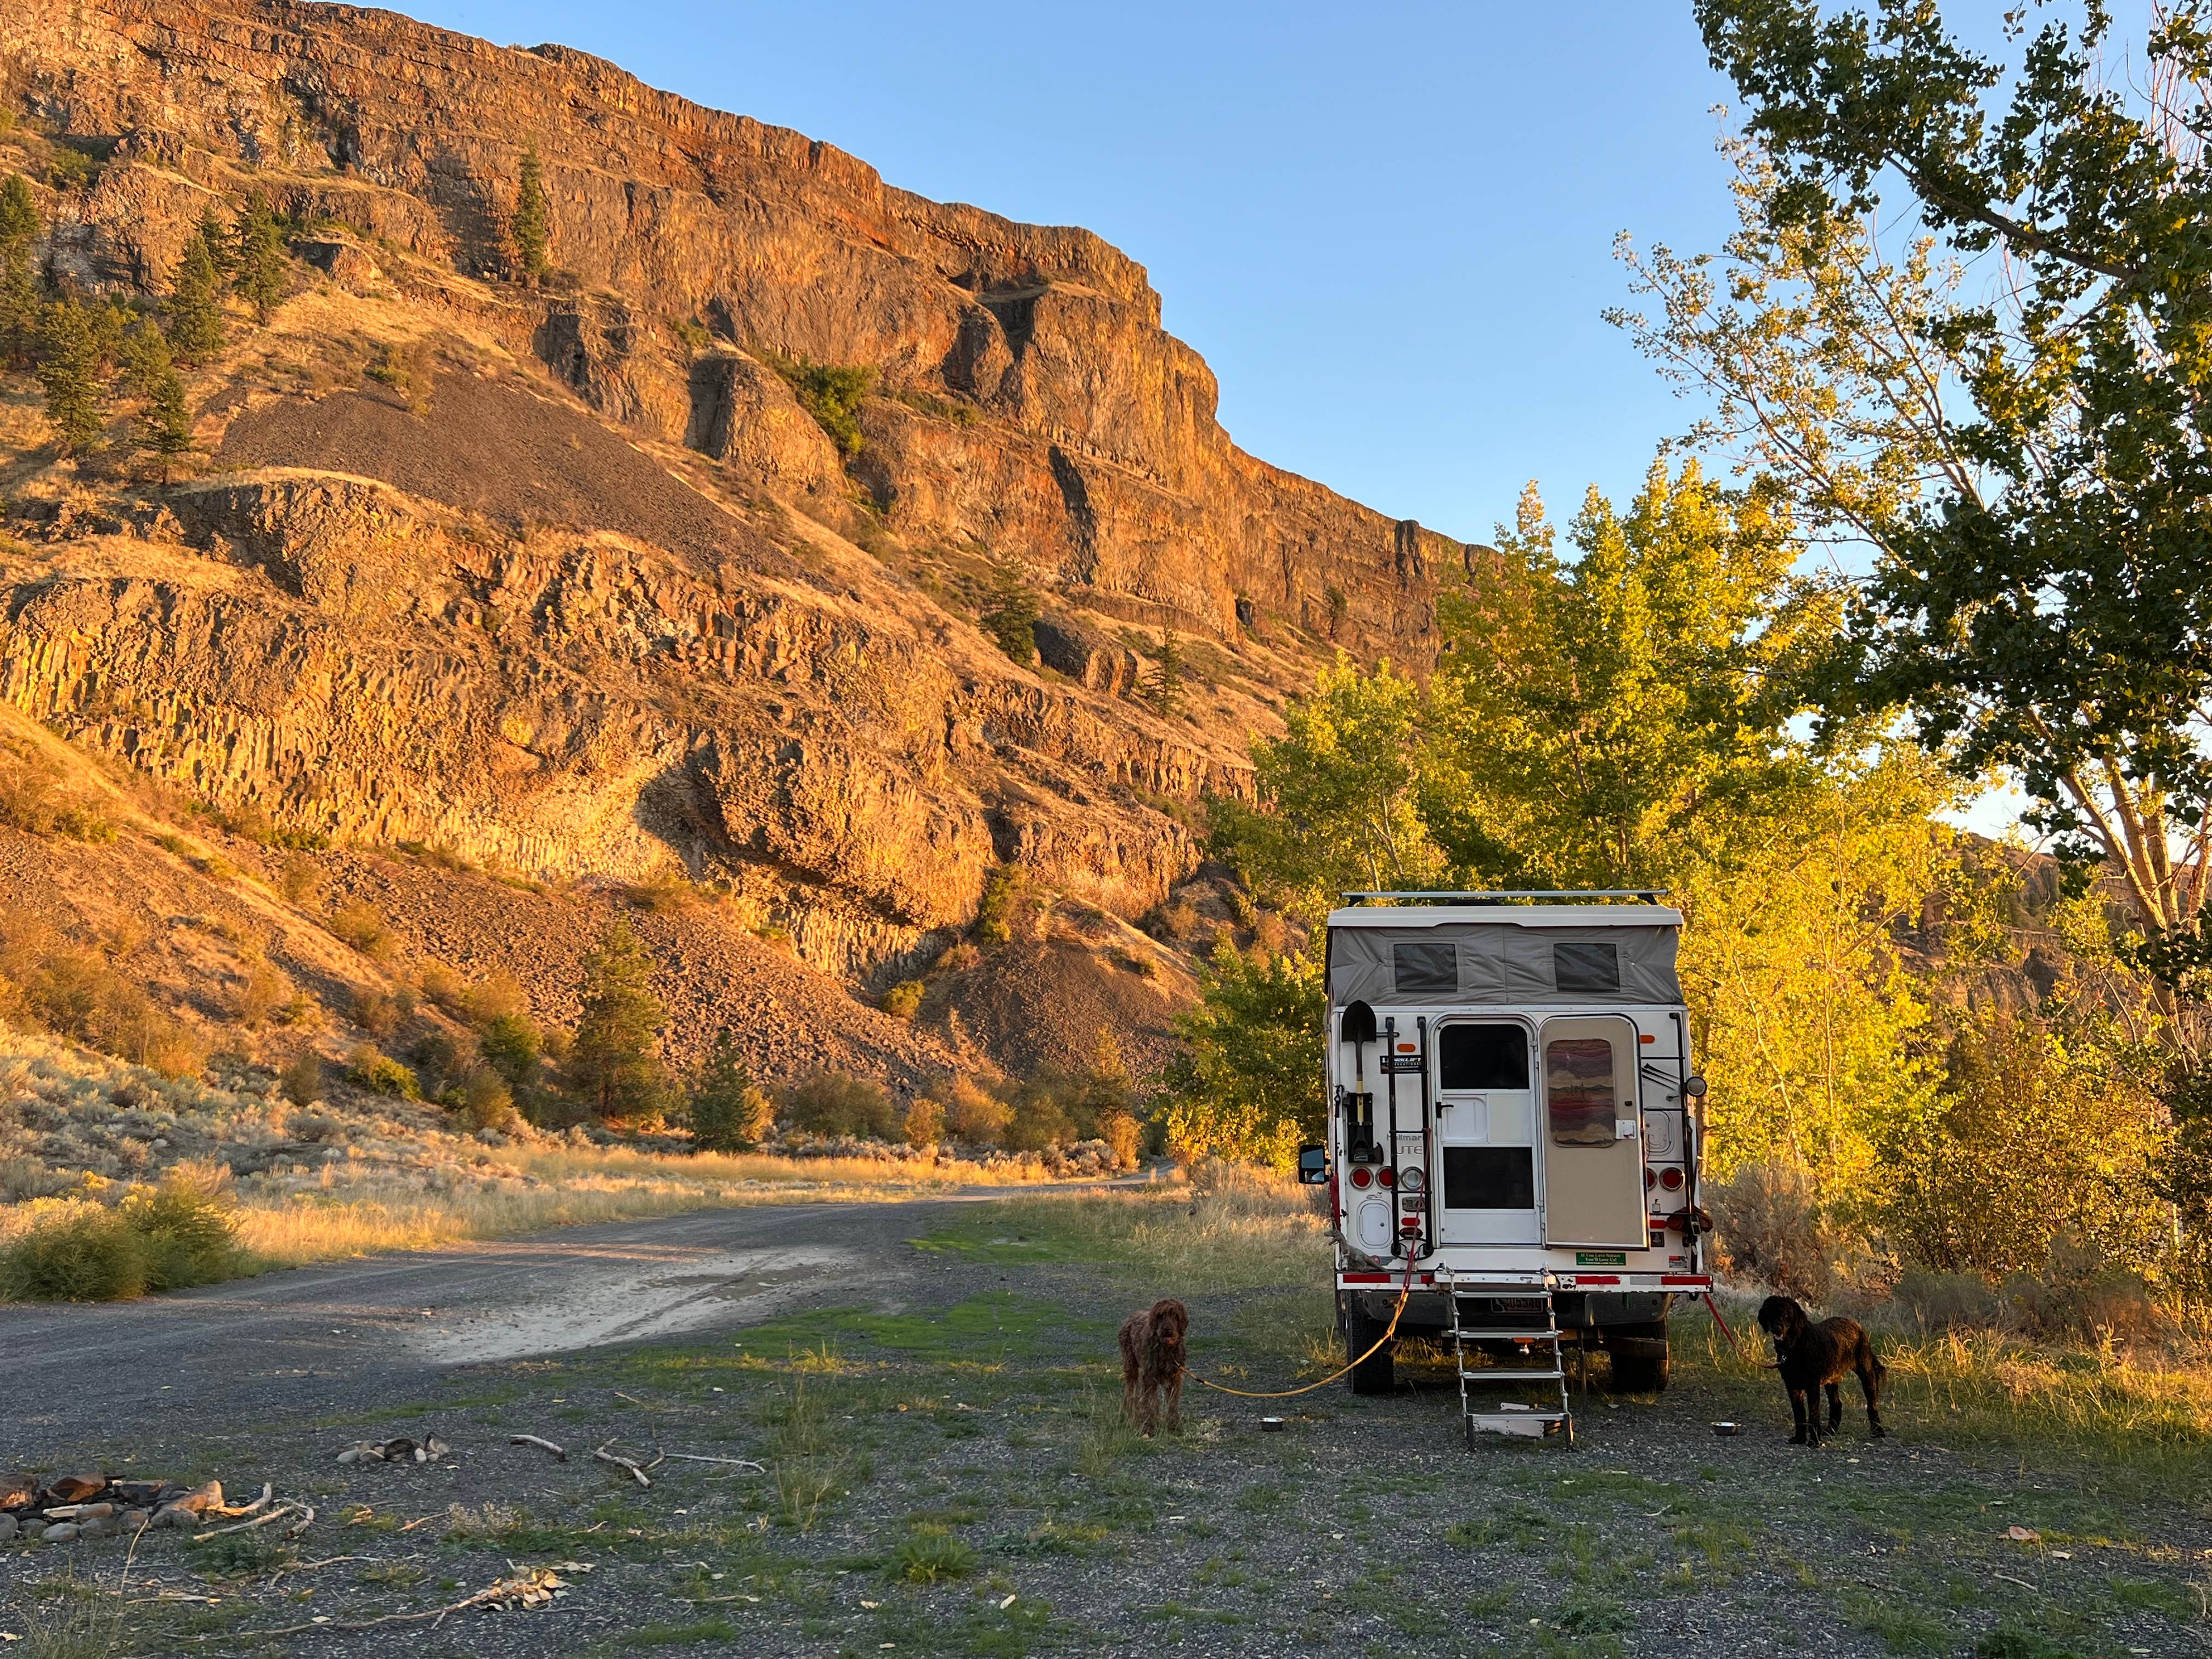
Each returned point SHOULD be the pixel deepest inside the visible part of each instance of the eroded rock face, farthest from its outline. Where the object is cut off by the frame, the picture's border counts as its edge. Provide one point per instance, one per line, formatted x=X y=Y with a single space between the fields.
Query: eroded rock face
x=1099 y=457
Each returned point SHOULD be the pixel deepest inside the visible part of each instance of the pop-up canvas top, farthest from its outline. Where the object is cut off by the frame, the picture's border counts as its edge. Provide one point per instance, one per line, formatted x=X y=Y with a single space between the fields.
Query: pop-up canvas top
x=1532 y=957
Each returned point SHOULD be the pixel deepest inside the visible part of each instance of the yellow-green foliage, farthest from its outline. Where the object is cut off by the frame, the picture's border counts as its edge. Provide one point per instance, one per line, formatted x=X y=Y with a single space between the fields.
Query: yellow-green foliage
x=162 y=1238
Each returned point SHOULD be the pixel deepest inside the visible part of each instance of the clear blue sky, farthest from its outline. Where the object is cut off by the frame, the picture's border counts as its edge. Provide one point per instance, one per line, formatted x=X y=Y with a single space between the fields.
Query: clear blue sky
x=1388 y=227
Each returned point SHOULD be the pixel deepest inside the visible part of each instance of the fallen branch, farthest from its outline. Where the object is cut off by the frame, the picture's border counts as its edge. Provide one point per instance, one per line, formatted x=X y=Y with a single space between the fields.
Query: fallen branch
x=276 y=1514
x=604 y=1455
x=309 y=1566
x=267 y=1492
x=543 y=1445
x=306 y=1520
x=738 y=1463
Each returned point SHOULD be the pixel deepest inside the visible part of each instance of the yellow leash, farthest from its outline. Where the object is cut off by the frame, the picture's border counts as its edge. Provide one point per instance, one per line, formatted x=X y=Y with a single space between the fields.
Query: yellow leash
x=1285 y=1394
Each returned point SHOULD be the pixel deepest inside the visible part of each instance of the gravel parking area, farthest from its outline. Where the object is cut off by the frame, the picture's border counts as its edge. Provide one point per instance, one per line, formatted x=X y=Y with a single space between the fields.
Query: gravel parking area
x=941 y=1470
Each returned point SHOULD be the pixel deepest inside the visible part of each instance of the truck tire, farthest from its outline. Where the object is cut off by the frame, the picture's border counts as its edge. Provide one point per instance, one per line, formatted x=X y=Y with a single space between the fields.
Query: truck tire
x=1377 y=1373
x=1639 y=1358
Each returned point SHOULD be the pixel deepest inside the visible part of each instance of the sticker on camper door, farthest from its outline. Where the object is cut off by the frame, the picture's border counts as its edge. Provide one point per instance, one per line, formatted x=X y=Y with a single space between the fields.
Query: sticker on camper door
x=1578 y=1089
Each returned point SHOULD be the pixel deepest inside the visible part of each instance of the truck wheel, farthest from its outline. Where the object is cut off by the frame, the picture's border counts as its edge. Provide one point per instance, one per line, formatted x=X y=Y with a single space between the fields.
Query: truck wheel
x=1376 y=1373
x=1633 y=1376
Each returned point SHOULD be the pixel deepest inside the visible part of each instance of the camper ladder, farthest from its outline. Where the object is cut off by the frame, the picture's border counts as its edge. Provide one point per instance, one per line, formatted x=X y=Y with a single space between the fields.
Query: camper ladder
x=1524 y=1316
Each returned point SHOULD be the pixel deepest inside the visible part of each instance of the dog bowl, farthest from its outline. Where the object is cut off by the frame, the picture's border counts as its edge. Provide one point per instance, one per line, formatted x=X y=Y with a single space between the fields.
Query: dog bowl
x=1271 y=1425
x=1727 y=1428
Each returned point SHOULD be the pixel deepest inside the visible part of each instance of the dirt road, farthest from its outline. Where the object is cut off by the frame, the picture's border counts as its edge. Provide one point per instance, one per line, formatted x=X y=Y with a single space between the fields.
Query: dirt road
x=355 y=1334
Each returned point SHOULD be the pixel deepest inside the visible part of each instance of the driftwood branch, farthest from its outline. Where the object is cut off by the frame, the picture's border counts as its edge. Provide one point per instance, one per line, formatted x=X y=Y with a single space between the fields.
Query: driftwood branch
x=735 y=1462
x=543 y=1445
x=276 y=1514
x=637 y=1473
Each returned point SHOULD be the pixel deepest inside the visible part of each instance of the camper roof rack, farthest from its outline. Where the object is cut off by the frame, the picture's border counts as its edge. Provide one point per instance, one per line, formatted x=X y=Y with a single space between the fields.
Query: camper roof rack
x=1544 y=895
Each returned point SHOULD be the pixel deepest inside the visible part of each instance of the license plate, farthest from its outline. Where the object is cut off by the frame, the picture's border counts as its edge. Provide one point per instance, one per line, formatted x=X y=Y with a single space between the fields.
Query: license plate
x=1600 y=1258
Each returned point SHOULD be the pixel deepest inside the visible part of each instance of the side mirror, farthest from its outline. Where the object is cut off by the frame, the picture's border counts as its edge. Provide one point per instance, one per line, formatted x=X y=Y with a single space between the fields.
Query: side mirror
x=1313 y=1166
x=1694 y=1087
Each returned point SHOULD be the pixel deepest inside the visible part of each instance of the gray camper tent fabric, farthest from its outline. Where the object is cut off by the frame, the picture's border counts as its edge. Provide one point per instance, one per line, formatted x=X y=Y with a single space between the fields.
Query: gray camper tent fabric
x=1504 y=964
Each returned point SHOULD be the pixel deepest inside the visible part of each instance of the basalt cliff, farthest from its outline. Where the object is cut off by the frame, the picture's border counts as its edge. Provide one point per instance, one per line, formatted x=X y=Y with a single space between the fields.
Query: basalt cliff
x=560 y=576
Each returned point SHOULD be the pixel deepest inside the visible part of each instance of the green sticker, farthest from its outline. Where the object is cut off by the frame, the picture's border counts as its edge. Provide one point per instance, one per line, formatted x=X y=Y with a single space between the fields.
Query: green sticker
x=1600 y=1258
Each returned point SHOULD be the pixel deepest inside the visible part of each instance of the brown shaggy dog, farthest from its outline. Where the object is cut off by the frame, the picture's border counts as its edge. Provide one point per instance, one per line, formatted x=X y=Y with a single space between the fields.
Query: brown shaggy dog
x=1151 y=1363
x=1811 y=1357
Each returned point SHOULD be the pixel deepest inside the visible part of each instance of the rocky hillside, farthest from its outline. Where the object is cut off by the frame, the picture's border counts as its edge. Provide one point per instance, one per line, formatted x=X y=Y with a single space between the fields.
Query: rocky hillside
x=501 y=588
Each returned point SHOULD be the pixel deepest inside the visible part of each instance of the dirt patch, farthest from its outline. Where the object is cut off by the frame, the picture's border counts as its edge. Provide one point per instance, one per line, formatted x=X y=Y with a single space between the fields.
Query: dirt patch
x=1032 y=1003
x=500 y=449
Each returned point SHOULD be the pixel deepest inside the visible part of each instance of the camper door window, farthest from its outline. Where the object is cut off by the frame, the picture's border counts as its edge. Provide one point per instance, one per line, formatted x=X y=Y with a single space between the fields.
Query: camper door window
x=1578 y=1089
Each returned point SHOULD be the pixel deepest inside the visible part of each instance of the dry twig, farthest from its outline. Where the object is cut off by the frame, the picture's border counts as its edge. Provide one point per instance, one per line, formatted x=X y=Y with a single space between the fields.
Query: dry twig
x=543 y=1445
x=739 y=1462
x=276 y=1514
x=637 y=1473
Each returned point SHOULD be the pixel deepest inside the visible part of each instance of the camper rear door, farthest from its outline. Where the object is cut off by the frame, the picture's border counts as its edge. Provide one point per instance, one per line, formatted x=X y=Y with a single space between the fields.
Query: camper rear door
x=1592 y=1162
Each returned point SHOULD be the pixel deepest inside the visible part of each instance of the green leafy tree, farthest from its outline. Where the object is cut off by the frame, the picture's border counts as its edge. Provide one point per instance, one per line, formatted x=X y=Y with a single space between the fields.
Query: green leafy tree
x=614 y=1060
x=728 y=1113
x=831 y=395
x=263 y=275
x=18 y=281
x=1163 y=687
x=2028 y=462
x=193 y=319
x=1248 y=1085
x=68 y=374
x=1011 y=609
x=533 y=218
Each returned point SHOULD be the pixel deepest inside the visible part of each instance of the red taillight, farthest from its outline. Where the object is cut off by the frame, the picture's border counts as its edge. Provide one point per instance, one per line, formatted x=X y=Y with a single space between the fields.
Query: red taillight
x=1651 y=1178
x=1385 y=1176
x=1360 y=1178
x=1671 y=1180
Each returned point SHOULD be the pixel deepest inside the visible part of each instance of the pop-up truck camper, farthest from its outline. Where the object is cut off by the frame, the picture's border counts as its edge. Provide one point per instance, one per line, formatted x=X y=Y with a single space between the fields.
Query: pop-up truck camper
x=1513 y=1141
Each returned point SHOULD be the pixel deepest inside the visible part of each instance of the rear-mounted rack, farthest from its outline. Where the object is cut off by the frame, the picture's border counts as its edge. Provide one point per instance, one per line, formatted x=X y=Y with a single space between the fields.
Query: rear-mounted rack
x=1648 y=894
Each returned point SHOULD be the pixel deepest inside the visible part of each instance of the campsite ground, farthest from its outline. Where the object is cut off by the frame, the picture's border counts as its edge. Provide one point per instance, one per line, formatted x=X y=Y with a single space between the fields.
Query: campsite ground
x=944 y=1473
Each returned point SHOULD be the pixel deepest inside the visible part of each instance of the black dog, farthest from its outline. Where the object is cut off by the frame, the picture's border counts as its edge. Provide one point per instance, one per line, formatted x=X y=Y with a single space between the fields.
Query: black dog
x=1811 y=1357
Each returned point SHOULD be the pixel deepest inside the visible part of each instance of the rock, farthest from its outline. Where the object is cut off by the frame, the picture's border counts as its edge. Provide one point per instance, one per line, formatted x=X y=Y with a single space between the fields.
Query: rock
x=30 y=1530
x=137 y=1493
x=743 y=412
x=101 y=1526
x=61 y=1532
x=198 y=1500
x=132 y=1520
x=1084 y=655
x=73 y=1488
x=7 y=1527
x=16 y=1492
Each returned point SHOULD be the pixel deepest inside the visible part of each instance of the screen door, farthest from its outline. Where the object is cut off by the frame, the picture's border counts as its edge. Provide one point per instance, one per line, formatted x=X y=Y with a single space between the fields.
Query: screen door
x=1486 y=1134
x=1592 y=1133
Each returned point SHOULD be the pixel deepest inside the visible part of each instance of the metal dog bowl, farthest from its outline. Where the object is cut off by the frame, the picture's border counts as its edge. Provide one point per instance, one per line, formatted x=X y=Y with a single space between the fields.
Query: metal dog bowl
x=1727 y=1428
x=1271 y=1425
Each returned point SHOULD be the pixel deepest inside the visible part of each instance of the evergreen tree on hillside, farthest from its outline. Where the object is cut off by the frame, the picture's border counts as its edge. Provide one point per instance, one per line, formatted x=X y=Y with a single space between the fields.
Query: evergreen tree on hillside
x=194 y=319
x=216 y=236
x=1011 y=612
x=164 y=421
x=533 y=218
x=1163 y=687
x=262 y=278
x=728 y=1113
x=614 y=1060
x=68 y=374
x=18 y=281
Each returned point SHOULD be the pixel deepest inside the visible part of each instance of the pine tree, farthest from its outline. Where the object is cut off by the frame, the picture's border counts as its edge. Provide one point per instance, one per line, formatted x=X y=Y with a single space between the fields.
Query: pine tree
x=18 y=281
x=165 y=424
x=218 y=237
x=262 y=278
x=728 y=1113
x=194 y=319
x=1010 y=616
x=533 y=218
x=614 y=1060
x=68 y=373
x=1163 y=688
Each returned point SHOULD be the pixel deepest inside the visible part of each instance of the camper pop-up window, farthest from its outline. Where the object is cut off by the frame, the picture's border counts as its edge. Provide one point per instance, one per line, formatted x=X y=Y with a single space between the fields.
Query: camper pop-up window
x=1425 y=967
x=1586 y=967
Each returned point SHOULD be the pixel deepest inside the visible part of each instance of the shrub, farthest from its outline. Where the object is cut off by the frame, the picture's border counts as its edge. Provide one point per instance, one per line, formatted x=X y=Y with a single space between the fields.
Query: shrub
x=260 y=996
x=380 y=1074
x=189 y=1226
x=374 y=1010
x=903 y=999
x=830 y=1103
x=302 y=1080
x=924 y=1122
x=486 y=1102
x=512 y=1046
x=1042 y=1113
x=363 y=925
x=177 y=1234
x=1011 y=611
x=1770 y=1228
x=439 y=1062
x=84 y=1254
x=727 y=1113
x=831 y=395
x=972 y=1114
x=994 y=911
x=299 y=878
x=78 y=995
x=1123 y=1135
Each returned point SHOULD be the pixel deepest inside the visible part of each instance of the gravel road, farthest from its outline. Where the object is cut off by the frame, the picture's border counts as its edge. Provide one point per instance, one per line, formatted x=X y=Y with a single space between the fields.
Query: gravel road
x=355 y=1334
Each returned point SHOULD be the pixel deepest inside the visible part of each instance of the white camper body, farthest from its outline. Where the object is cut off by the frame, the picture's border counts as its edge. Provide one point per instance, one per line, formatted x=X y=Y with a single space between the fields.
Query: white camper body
x=1512 y=1133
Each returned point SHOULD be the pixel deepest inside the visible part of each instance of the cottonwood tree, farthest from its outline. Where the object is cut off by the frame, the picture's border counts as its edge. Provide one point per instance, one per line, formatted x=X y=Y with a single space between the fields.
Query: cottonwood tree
x=2006 y=405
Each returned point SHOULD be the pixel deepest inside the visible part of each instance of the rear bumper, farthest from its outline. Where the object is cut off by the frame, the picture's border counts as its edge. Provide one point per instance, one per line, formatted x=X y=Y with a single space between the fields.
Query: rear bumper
x=1429 y=1309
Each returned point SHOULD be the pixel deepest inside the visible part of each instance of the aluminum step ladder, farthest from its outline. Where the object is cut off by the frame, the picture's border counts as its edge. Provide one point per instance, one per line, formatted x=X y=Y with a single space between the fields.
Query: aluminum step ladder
x=1524 y=1315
